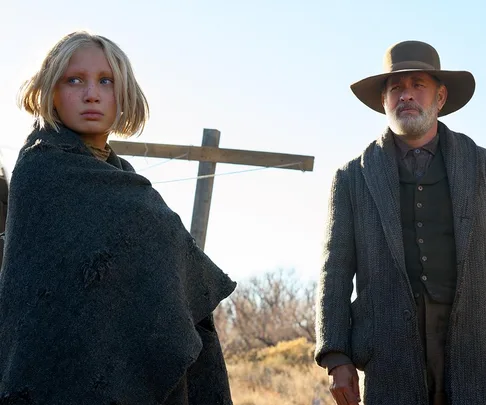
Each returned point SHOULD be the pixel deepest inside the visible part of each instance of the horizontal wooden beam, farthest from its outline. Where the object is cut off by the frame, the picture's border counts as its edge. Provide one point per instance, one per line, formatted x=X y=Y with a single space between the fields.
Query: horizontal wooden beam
x=215 y=155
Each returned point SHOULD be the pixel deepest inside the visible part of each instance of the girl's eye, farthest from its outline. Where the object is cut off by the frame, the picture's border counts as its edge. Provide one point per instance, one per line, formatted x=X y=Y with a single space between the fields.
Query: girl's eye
x=73 y=80
x=106 y=80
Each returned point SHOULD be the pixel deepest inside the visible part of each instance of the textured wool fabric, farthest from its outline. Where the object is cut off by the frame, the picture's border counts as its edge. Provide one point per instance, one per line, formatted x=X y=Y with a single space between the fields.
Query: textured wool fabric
x=104 y=296
x=3 y=208
x=379 y=330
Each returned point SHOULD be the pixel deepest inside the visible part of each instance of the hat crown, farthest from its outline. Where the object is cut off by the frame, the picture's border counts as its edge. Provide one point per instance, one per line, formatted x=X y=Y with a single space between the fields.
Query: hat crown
x=411 y=55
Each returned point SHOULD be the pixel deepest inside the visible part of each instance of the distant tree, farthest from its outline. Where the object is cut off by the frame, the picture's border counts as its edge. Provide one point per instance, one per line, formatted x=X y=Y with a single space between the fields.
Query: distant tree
x=265 y=310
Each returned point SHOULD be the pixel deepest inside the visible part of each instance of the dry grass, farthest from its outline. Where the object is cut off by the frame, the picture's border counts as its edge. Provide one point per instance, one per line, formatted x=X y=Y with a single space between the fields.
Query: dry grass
x=283 y=375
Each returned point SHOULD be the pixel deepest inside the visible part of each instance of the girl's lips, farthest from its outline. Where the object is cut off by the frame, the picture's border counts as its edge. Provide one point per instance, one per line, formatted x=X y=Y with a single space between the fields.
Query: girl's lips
x=92 y=115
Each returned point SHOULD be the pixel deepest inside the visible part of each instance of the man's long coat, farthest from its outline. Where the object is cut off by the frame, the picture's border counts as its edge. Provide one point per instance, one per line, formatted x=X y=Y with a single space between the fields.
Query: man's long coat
x=379 y=330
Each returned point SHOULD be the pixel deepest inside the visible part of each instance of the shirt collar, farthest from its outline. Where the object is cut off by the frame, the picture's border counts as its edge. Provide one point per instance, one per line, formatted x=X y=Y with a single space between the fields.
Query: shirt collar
x=403 y=148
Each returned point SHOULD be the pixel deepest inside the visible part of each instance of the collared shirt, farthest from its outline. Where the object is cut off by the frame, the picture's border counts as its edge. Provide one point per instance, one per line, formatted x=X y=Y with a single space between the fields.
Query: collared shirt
x=101 y=154
x=416 y=160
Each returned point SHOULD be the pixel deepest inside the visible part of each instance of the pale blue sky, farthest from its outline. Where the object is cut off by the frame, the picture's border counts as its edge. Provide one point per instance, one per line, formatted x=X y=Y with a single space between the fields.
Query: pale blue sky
x=271 y=76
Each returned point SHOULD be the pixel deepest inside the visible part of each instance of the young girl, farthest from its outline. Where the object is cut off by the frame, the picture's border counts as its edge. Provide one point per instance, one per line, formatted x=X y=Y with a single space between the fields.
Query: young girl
x=104 y=296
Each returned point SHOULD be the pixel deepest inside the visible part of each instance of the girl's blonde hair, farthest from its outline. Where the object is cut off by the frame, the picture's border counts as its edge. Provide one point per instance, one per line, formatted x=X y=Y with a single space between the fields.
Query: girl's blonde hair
x=37 y=94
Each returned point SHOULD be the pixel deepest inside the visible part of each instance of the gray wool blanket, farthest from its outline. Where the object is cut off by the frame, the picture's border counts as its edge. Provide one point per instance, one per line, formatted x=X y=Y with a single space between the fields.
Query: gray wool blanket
x=105 y=299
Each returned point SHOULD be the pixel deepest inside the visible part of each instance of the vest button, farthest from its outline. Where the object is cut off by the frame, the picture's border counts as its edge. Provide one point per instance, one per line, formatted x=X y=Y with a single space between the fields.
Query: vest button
x=407 y=315
x=424 y=278
x=420 y=224
x=420 y=240
x=424 y=258
x=420 y=188
x=419 y=205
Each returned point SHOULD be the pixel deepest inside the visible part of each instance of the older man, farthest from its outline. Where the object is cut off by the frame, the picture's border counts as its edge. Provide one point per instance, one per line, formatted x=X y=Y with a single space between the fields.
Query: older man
x=408 y=219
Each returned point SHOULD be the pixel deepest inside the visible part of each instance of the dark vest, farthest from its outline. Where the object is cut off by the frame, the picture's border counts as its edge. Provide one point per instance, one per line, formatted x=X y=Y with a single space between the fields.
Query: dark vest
x=428 y=231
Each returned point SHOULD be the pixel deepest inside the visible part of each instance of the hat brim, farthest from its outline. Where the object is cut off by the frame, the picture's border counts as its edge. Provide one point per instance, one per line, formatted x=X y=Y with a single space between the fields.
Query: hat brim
x=460 y=88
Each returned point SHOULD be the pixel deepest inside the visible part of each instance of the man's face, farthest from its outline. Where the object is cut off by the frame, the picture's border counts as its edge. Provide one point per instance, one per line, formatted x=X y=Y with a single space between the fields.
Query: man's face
x=412 y=102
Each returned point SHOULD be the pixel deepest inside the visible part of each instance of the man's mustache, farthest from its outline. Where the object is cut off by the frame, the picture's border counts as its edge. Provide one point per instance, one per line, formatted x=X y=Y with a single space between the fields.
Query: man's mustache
x=408 y=106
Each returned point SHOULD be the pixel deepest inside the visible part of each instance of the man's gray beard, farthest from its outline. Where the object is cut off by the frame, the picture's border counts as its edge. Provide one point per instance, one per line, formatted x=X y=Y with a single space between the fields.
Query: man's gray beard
x=412 y=126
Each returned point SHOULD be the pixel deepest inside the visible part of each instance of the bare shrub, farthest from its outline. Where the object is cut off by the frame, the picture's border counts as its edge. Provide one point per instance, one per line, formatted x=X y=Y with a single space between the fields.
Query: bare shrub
x=265 y=310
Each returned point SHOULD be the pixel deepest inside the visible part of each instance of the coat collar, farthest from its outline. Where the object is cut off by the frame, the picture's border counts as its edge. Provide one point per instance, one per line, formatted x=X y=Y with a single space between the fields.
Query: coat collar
x=461 y=156
x=66 y=140
x=380 y=170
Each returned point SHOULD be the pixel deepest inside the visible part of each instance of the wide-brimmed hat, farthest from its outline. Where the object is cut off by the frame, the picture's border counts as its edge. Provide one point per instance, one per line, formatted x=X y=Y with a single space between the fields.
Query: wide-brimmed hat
x=416 y=56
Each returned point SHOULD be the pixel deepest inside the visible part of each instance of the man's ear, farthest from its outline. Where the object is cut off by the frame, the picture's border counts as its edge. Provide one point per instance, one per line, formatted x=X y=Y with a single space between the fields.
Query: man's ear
x=441 y=96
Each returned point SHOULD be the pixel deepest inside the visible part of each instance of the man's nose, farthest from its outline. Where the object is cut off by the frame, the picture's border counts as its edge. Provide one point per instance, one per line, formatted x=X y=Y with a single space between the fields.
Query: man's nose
x=406 y=95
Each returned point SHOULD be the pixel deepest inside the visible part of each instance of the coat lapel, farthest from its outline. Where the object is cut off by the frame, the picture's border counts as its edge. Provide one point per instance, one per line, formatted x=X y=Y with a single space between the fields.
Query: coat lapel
x=380 y=171
x=460 y=157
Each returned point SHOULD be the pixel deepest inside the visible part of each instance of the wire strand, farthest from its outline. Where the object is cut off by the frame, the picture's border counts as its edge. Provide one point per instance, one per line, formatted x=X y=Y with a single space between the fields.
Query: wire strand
x=207 y=176
x=162 y=163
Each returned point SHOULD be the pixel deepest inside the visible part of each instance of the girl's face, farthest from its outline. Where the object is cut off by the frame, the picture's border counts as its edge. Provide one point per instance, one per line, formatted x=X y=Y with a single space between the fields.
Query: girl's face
x=84 y=97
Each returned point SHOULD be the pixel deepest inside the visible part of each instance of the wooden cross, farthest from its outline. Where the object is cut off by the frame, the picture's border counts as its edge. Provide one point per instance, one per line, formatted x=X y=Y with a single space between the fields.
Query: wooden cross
x=208 y=155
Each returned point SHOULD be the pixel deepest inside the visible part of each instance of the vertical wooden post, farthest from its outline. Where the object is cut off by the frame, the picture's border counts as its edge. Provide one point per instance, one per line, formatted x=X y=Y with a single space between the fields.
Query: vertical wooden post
x=204 y=191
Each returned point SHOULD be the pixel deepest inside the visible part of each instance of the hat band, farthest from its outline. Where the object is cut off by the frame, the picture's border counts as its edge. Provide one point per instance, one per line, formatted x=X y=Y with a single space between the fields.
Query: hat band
x=409 y=64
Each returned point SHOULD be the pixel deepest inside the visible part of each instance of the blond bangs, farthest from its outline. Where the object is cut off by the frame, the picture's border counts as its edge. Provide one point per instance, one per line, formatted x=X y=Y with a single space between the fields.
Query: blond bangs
x=36 y=95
